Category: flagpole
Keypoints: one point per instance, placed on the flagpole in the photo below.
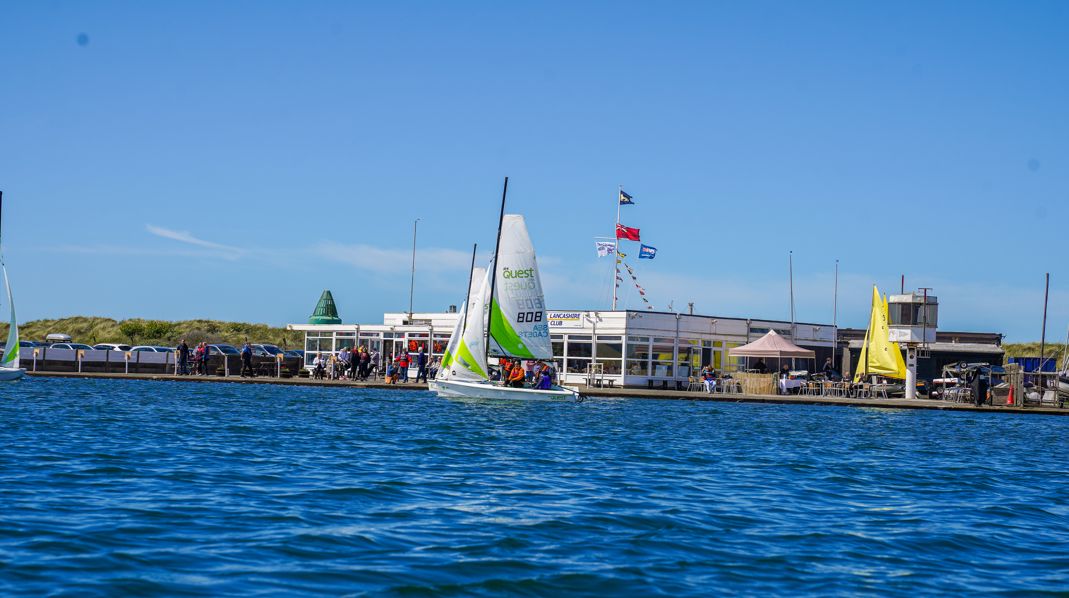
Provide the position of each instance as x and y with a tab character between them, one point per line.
616	249
790	265
835	315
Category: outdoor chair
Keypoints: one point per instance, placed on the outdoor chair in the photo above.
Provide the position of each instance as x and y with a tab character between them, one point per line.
694	384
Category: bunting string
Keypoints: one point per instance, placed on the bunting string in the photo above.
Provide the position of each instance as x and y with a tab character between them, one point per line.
638	287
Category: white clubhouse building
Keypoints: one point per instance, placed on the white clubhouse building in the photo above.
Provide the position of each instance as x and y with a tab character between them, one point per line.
624	347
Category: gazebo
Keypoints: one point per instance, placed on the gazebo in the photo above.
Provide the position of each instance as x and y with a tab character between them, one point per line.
769	346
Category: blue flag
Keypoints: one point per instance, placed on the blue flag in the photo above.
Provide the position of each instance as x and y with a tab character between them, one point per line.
647	253
625	199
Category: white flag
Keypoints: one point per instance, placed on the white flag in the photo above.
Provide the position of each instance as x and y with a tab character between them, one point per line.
605	248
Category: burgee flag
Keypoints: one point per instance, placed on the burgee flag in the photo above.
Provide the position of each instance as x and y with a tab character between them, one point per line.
626	232
625	199
647	253
605	248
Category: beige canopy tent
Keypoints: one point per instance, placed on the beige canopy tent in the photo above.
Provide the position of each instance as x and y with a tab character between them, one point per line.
771	345
768	346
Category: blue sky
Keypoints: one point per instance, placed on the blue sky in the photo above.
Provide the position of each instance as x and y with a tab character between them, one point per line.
232	160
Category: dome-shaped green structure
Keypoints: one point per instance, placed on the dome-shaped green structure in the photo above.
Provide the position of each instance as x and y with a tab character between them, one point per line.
326	312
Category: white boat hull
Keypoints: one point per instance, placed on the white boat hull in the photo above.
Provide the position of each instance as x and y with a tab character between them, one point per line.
455	389
7	374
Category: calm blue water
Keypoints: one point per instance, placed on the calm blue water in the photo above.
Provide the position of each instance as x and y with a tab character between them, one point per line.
116	487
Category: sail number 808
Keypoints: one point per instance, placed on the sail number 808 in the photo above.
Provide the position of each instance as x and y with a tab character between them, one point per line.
529	316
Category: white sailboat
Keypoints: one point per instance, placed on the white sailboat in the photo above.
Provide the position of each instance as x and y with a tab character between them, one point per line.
9	362
505	318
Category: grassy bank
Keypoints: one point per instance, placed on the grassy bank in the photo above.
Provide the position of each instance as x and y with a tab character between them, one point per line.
136	331
1054	351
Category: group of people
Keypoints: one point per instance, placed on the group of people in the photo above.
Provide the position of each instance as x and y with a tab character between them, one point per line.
199	357
828	370
357	363
532	374
398	365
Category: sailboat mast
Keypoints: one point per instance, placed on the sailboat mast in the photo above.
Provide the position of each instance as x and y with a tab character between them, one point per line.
493	275
467	296
1	216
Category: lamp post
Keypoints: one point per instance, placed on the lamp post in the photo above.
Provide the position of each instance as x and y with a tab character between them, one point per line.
412	283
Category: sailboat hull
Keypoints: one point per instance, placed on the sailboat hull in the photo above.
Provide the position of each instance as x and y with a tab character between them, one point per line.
455	389
7	374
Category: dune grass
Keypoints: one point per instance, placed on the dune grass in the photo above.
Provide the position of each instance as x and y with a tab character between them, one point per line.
136	331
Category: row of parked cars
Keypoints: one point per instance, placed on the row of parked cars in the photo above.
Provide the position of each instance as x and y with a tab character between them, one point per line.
57	341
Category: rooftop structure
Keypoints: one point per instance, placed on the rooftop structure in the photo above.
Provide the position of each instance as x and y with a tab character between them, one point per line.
325	312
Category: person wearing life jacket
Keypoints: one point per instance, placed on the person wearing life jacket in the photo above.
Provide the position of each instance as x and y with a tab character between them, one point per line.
517	375
506	370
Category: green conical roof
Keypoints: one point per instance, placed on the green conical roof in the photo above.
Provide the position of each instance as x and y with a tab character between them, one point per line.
326	312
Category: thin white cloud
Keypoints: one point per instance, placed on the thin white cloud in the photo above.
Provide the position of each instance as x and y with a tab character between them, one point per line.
188	238
384	260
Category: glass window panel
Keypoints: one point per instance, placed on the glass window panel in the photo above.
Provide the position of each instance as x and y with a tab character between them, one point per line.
579	349
638	339
663	370
664	341
609	350
346	342
663	352
579	337
638	367
639	352
576	366
609	339
611	366
558	348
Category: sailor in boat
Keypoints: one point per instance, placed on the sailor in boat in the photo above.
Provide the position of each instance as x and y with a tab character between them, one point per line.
545	380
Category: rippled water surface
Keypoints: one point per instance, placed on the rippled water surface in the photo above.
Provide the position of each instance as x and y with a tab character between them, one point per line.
124	487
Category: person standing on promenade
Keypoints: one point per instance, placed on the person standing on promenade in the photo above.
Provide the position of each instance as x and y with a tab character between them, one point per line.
344	357
354	363
246	360
202	358
365	363
421	364
183	358
374	363
403	361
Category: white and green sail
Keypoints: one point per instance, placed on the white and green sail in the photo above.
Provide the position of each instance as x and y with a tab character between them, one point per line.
469	363
518	328
456	344
11	349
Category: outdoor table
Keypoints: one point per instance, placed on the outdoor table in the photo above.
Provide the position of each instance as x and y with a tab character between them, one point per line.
785	384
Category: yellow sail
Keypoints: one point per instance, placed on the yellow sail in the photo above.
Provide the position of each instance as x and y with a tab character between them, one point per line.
880	356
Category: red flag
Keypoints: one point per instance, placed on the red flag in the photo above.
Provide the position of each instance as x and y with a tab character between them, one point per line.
626	232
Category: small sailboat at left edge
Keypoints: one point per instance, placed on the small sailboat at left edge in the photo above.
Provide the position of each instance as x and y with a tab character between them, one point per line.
9	363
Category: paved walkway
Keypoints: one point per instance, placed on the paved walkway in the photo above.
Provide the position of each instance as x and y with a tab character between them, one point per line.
630	393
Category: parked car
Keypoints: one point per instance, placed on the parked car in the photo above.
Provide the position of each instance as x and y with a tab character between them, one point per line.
57	337
223	350
111	347
22	344
265	350
152	349
298	353
75	346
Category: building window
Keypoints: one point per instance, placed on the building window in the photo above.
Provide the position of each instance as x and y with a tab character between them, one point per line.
638	356
579	349
690	357
344	340
610	354
441	341
663	356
